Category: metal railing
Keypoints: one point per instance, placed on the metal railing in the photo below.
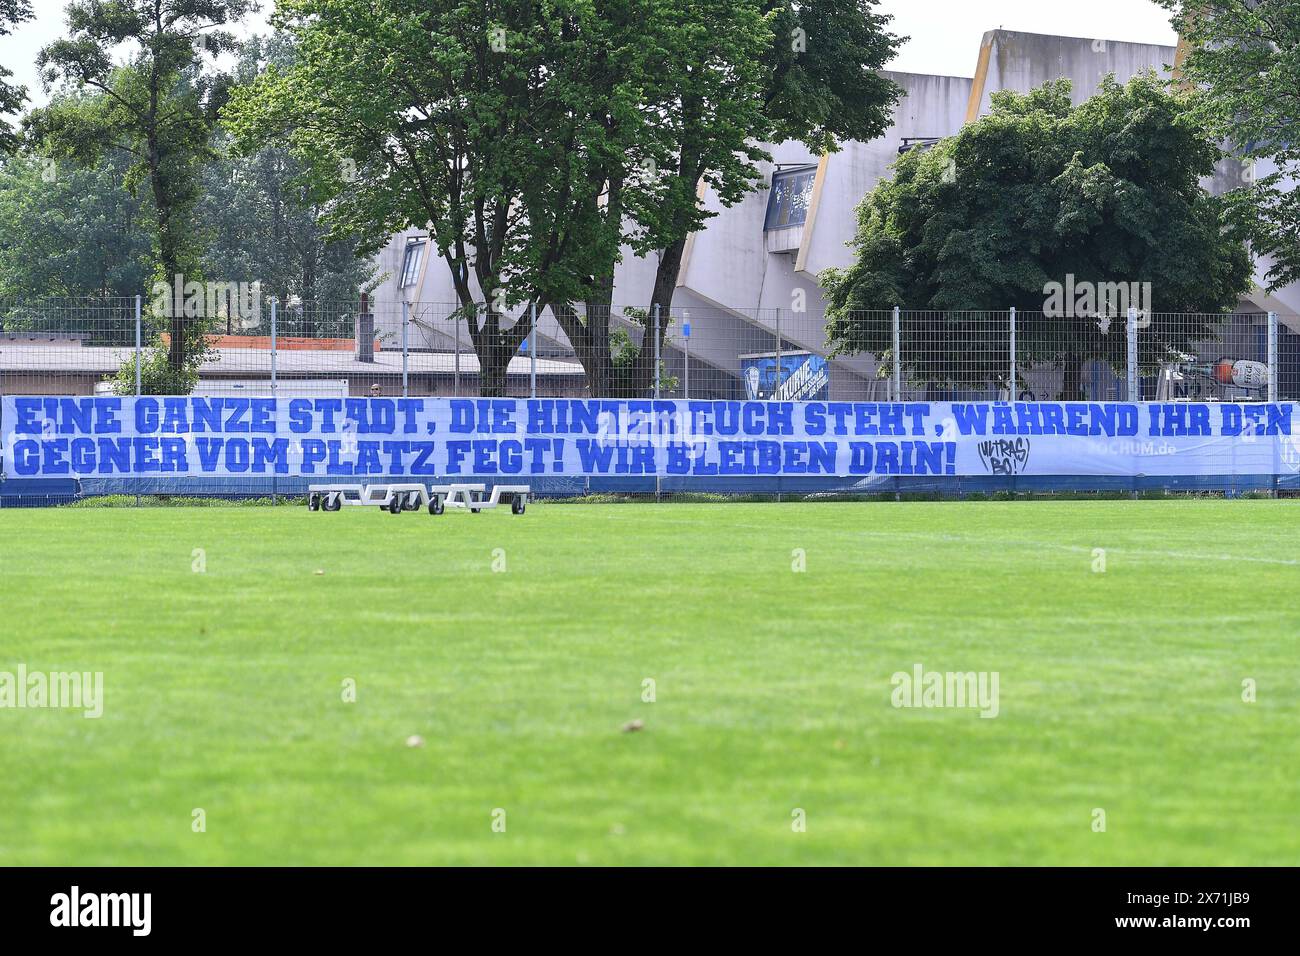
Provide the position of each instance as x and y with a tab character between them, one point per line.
84	346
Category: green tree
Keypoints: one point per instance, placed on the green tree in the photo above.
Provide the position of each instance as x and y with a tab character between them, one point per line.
259	222
70	230
823	82
415	113
1036	191
645	99
160	108
258	225
536	140
816	79
12	97
1243	74
575	189
711	82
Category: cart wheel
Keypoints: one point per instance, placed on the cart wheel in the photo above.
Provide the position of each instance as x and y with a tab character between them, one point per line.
412	502
332	503
395	506
436	507
313	502
475	510
517	506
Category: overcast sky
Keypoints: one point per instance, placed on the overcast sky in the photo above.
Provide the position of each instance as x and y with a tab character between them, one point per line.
944	34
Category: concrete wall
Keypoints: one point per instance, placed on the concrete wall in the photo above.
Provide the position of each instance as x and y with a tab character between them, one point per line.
931	106
1023	61
728	265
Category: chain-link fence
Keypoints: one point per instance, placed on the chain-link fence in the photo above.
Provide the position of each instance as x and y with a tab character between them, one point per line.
88	346
245	345
1138	356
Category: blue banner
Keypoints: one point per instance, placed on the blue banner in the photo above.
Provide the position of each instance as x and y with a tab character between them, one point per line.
46	436
796	377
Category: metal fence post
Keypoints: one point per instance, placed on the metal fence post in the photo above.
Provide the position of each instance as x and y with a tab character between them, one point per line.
656	335
1134	394
686	349
455	390
138	336
1272	356
532	353
1011	395
898	365
138	301
406	350
406	323
658	479
776	386
274	328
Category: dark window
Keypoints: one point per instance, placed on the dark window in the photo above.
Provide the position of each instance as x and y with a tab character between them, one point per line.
787	205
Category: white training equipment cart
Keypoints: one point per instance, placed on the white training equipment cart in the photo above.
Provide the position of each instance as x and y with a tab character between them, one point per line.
470	498
412	497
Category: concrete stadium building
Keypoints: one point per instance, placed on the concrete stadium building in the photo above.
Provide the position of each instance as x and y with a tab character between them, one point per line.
748	283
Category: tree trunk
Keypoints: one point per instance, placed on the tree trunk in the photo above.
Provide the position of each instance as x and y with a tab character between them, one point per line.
170	260
643	367
168	243
492	375
600	361
590	341
495	347
176	346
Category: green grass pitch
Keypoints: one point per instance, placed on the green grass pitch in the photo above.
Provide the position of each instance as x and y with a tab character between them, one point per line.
1120	690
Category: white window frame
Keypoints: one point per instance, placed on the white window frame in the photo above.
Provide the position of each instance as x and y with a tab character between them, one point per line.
412	260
